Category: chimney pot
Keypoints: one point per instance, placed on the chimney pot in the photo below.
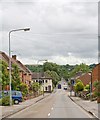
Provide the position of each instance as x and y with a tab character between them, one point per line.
14	57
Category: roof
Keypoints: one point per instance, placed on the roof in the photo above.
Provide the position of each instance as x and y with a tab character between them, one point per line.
40	75
97	66
78	74
85	78
5	57
23	66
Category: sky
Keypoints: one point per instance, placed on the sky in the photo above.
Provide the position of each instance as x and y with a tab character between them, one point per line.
61	31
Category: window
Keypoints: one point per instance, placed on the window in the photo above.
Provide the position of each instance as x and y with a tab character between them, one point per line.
14	93
6	93
43	81
46	81
36	80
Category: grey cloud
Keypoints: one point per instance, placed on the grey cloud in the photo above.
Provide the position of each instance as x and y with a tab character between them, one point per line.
57	28
51	16
56	45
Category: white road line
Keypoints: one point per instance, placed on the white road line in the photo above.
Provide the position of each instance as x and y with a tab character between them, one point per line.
49	114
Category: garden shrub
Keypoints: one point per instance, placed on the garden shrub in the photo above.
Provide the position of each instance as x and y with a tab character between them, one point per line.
5	101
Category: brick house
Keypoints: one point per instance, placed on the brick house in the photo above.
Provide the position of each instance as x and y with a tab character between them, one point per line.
45	80
25	73
85	78
95	74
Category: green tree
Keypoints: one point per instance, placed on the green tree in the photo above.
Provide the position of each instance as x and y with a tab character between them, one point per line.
87	88
79	87
4	74
24	89
96	84
15	78
35	68
63	72
35	86
50	66
55	77
82	67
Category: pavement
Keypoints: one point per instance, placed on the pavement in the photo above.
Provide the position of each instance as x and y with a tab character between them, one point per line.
91	107
6	111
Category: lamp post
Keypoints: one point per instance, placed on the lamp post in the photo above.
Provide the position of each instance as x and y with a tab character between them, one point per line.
37	75
90	73
25	29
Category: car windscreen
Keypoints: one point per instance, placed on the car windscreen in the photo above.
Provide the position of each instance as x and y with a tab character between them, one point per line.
16	93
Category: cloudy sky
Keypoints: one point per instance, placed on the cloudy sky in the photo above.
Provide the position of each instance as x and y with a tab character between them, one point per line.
61	31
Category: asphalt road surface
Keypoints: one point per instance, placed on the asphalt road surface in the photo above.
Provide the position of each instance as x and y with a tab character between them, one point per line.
57	105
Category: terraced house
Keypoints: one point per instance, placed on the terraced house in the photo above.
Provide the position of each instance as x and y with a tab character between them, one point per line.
25	73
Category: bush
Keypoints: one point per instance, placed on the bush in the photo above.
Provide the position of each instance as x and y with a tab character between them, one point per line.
24	89
87	87
5	101
78	80
85	95
97	88
88	95
96	93
85	90
35	86
96	84
79	87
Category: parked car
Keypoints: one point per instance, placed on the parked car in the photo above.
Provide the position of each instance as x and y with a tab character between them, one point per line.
65	88
16	95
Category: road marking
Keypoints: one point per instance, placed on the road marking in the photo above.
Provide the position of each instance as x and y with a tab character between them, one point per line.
49	114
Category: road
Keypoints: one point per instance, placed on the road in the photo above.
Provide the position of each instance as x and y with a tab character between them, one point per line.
57	105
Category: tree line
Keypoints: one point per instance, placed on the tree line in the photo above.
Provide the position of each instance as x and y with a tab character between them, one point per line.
60	71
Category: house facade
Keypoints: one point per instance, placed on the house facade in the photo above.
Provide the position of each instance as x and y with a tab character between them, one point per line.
25	73
45	80
95	74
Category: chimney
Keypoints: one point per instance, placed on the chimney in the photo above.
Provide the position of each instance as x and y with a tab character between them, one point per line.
14	57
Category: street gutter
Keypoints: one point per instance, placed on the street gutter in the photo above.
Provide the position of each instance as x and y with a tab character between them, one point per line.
84	108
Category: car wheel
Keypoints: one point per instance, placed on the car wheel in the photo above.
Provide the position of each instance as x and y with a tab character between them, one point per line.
16	102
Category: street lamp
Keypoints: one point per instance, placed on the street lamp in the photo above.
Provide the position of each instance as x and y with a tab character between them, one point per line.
25	29
90	73
37	75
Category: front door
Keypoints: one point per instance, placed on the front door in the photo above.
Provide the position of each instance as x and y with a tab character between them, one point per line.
49	88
